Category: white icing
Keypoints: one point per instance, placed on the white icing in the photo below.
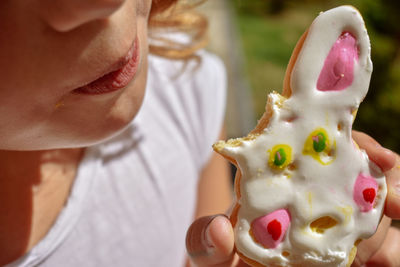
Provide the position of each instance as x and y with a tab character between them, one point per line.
310	190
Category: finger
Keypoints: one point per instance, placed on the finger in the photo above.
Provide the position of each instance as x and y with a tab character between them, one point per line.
368	247
209	241
389	162
381	156
392	208
388	254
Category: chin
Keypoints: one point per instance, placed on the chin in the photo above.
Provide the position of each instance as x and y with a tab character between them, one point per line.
68	130
94	133
94	126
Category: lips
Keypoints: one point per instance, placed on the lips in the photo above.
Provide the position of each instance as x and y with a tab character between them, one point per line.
121	74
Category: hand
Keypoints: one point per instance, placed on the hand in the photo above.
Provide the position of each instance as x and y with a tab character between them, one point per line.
382	249
210	240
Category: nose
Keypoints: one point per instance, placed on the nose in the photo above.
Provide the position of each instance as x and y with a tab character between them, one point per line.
65	15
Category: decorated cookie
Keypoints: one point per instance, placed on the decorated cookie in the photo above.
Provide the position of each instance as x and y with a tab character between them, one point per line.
305	193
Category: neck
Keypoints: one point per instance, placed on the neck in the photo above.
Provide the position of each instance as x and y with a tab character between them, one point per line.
34	186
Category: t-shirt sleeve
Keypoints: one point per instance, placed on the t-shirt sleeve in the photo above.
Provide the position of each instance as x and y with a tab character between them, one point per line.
210	87
189	97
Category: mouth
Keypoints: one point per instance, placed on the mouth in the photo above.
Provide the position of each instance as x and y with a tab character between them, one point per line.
119	76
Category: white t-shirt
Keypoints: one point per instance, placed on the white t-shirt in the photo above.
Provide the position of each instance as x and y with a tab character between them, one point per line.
134	195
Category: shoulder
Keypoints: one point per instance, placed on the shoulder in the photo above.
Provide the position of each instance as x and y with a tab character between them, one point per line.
191	95
200	80
204	67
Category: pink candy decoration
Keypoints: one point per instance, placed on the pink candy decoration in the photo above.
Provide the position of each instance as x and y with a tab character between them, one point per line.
269	230
364	192
338	71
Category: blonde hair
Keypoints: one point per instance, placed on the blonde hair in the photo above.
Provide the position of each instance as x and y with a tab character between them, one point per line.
176	16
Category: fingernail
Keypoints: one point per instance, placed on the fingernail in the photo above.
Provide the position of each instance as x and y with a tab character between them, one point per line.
397	189
207	238
208	242
387	151
388	154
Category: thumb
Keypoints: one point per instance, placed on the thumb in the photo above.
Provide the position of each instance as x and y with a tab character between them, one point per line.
209	241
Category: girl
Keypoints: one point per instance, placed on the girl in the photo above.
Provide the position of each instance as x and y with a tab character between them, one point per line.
82	184
92	172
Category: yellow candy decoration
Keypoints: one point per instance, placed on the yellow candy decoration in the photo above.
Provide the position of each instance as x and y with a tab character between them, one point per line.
280	156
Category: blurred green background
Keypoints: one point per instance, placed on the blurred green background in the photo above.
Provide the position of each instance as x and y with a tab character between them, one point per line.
269	30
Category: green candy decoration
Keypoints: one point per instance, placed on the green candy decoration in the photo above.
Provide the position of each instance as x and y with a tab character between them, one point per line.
318	146
319	142
280	157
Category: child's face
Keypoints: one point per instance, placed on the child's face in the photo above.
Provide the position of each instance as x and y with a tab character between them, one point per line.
48	49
